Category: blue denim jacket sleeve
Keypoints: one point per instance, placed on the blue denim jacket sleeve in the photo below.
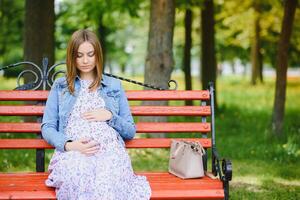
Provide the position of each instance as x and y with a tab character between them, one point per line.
50	123
122	122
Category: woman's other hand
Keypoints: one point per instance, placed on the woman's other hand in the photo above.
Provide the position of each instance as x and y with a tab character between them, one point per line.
100	114
84	146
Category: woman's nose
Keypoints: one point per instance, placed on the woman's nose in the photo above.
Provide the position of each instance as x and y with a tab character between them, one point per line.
85	59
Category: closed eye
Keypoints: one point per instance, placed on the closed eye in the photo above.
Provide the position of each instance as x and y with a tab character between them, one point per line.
79	55
91	54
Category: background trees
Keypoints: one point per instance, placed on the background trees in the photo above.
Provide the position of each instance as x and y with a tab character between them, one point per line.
239	44
138	39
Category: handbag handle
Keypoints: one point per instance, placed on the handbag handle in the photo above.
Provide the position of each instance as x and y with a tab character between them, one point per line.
196	147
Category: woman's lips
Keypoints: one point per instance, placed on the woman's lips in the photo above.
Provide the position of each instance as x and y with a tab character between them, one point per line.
85	66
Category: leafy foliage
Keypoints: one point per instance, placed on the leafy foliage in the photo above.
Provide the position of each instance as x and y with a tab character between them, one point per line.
11	29
234	29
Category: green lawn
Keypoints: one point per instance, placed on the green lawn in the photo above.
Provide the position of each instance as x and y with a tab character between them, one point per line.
264	167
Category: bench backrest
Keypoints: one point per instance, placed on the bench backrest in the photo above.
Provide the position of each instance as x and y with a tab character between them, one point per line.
202	124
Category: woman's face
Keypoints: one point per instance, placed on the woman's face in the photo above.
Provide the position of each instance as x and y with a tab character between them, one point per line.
85	60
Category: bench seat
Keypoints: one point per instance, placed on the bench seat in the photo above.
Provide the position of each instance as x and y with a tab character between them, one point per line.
30	185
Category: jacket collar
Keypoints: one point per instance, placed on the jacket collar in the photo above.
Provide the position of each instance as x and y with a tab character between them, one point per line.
104	80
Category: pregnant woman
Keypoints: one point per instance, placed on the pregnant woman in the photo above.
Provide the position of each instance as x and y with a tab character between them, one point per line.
87	118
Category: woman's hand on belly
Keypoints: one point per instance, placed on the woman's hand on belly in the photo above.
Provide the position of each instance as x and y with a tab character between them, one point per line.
84	146
100	114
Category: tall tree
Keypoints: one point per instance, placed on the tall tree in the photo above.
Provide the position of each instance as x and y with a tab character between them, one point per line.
208	58
39	32
282	64
187	51
159	60
256	56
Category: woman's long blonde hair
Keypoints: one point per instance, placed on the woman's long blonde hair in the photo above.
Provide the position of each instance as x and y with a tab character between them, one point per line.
76	40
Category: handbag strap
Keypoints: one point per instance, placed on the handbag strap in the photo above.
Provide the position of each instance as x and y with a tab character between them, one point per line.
196	147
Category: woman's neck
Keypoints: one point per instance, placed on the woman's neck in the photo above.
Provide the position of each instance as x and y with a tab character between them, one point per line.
89	77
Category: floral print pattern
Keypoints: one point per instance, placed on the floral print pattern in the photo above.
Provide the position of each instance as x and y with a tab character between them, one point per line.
108	174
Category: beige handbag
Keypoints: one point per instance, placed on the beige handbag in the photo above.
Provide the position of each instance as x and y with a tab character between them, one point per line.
186	159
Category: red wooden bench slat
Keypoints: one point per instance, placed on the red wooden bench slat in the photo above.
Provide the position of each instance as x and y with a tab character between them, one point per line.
170	110
215	194
20	127
8	95
142	127
163	185
168	95
162	142
169	127
39	184
33	185
37	110
20	178
19	95
21	110
28	195
135	143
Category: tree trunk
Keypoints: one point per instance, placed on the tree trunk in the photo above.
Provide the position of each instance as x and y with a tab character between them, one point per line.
281	66
159	60
187	52
39	34
123	68
232	64
256	56
208	58
261	67
3	30
102	33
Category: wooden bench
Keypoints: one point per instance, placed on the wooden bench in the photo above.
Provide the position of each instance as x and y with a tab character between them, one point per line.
30	185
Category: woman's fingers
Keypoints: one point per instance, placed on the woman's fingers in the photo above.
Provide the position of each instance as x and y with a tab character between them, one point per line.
91	144
95	115
92	150
84	140
90	117
87	115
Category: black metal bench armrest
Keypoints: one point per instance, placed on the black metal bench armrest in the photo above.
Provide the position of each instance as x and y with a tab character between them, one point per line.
224	173
227	169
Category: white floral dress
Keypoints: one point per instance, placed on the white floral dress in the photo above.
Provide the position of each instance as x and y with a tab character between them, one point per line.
106	175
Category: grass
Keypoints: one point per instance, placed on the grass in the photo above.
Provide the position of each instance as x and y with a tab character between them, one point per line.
264	167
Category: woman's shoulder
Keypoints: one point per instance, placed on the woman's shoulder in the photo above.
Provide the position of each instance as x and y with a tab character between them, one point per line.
111	82
62	81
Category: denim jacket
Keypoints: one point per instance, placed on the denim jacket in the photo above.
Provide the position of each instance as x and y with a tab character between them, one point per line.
60	103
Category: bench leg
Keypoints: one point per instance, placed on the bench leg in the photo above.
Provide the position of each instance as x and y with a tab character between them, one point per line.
40	160
204	158
40	153
226	189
